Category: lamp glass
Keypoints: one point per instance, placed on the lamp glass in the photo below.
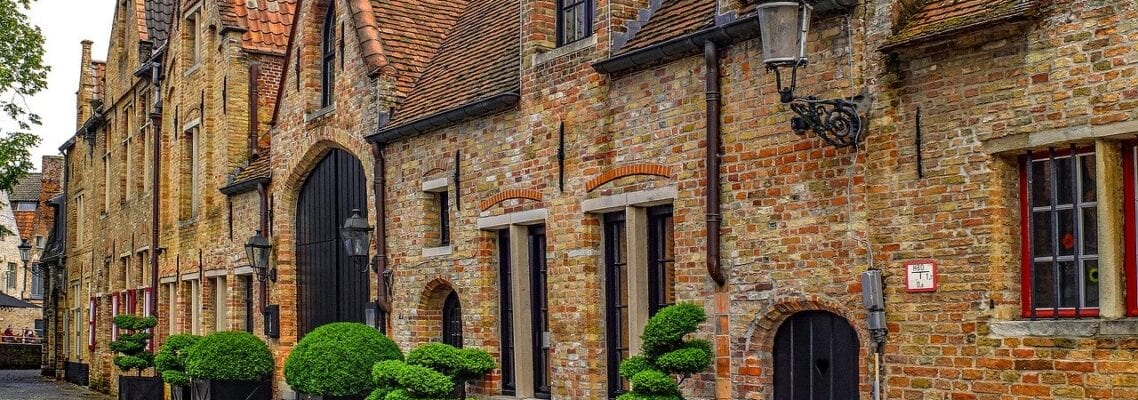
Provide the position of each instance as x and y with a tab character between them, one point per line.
356	235
784	26
257	249
25	251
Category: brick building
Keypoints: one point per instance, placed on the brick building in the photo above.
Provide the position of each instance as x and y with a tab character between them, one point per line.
164	123
538	176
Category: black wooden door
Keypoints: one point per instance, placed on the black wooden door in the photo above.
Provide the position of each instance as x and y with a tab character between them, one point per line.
329	287
539	285
452	321
815	358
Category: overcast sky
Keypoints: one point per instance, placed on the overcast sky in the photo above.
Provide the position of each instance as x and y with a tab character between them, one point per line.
65	23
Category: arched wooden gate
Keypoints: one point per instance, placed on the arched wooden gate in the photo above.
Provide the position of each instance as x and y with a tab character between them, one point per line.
330	287
816	358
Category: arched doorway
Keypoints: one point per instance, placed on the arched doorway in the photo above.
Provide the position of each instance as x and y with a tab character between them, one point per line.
815	358
452	320
329	287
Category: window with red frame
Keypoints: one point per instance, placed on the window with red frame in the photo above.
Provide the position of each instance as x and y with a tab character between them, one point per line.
1059	228
1130	204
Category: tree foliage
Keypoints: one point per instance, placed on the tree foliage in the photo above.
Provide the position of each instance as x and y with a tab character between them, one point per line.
666	354
22	75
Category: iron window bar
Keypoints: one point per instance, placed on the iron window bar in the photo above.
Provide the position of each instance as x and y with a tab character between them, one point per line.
616	276
1078	257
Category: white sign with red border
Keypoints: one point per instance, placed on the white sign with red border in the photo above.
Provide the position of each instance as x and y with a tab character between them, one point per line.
920	276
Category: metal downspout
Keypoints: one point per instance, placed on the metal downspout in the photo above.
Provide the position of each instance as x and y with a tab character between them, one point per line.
711	60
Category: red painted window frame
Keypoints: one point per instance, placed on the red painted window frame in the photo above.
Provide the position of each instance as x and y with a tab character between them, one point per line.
116	309
92	313
1130	233
1025	237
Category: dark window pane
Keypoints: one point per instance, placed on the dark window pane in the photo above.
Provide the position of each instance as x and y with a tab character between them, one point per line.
1040	183
1066	232
1041	245
1068	285
1090	282
1089	233
1064	188
1044	292
1088	178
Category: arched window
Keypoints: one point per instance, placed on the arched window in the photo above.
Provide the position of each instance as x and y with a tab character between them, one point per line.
328	56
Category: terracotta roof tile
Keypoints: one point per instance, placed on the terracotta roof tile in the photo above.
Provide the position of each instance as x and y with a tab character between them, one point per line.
925	20
266	23
405	34
478	59
239	181
673	18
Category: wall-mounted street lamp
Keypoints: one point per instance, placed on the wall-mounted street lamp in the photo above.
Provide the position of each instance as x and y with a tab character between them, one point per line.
356	235
258	249
26	255
784	26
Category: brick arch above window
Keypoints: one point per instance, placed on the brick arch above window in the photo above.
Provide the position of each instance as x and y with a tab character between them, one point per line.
626	171
527	194
787	302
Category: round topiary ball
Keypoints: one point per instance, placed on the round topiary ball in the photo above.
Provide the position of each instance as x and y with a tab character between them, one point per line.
171	359
336	359
229	356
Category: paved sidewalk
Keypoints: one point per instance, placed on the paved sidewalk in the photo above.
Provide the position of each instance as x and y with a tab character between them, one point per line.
29	385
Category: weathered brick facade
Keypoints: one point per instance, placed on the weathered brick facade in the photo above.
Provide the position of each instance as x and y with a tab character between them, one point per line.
800	219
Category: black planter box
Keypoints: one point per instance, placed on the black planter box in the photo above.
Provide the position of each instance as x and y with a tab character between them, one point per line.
179	392
141	388
205	389
302	396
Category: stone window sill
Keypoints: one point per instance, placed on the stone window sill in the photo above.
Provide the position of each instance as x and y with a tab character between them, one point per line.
319	114
1065	328
553	54
436	251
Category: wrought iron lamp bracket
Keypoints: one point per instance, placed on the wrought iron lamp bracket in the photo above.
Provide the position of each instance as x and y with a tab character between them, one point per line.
836	121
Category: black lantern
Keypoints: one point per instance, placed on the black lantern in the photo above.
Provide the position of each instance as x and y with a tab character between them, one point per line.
784	26
356	235
25	251
257	249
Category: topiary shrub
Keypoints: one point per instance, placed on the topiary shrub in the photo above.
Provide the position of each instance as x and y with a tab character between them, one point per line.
171	359
336	359
666	354
131	346
431	372
229	356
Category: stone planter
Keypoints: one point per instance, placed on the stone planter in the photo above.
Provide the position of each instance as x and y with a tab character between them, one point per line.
179	392
206	389
140	388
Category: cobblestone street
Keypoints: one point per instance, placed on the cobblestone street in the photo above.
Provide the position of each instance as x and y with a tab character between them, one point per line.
29	385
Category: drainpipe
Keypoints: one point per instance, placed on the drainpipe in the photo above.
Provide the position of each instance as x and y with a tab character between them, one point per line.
254	112
378	170
156	178
263	225
711	61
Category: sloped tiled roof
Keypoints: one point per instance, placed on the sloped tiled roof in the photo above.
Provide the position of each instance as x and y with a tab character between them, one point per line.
27	188
245	178
158	15
672	19
266	23
929	19
404	34
478	59
7	301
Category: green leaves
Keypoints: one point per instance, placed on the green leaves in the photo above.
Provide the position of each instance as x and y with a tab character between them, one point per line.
22	69
431	372
229	356
336	359
667	353
131	344
171	359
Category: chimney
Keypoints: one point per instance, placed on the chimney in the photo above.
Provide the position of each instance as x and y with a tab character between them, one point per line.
86	92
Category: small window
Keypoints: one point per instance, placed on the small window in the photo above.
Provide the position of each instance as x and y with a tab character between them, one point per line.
444	218
190	175
220	305
11	278
193	39
574	20
328	58
1059	225
39	241
26	206
246	284
661	259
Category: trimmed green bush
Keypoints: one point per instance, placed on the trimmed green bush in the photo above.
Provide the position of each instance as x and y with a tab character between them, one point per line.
131	346
666	353
336	359
171	359
229	356
431	372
